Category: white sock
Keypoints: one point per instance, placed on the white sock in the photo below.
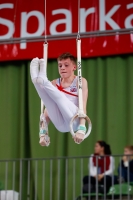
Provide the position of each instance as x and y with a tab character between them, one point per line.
34	69
42	77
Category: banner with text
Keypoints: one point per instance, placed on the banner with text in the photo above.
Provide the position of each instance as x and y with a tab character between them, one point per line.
21	18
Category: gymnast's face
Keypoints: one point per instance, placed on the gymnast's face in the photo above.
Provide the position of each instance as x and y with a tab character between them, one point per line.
66	68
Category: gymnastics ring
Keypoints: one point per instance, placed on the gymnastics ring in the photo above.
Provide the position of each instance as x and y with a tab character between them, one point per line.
89	125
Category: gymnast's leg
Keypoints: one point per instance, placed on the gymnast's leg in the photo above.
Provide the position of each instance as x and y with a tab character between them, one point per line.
60	109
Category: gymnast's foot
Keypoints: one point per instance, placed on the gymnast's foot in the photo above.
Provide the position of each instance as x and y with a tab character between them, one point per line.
34	69
42	73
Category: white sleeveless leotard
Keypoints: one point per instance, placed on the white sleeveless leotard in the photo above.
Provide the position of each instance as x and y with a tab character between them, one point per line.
71	92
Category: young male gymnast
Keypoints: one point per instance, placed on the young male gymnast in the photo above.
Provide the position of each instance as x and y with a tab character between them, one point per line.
60	97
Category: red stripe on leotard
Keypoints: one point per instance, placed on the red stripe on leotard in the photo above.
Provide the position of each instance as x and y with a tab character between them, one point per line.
62	90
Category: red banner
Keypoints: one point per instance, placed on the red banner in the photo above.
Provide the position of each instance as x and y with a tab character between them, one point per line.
22	19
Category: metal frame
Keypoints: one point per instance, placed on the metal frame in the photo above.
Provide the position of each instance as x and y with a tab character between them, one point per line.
68	36
26	170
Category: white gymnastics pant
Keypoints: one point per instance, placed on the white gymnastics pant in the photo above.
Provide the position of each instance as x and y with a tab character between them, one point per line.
60	109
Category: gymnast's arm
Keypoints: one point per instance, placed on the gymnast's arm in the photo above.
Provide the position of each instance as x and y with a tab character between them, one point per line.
85	93
85	97
46	116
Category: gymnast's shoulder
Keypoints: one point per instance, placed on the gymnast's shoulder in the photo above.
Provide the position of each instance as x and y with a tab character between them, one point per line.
54	82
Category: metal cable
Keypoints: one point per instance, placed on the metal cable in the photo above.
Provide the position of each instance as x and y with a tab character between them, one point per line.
78	35
45	24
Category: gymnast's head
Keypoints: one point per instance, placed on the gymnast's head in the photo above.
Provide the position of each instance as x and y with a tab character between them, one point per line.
66	64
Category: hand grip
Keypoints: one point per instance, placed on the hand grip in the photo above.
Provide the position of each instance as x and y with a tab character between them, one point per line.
89	125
